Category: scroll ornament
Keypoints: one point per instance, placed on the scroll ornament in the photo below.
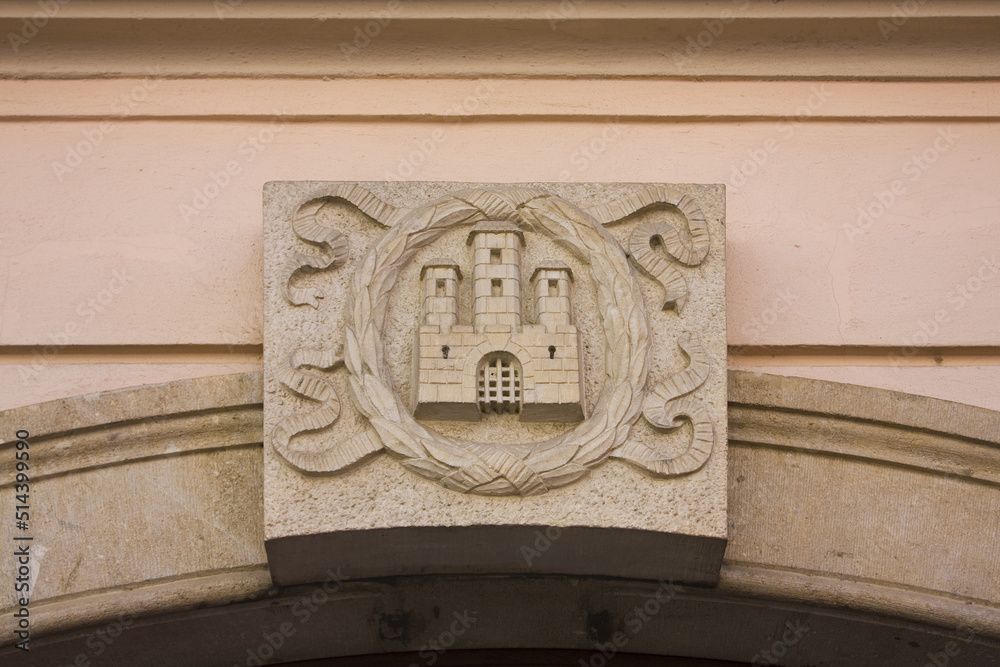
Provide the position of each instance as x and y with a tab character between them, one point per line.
489	468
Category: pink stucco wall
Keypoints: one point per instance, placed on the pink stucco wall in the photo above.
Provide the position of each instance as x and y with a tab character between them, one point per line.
146	248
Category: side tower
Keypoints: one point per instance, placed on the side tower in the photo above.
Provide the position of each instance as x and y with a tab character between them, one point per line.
440	303
555	345
441	347
551	280
496	276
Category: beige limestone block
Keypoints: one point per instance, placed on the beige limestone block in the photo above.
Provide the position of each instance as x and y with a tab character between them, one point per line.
38	381
353	476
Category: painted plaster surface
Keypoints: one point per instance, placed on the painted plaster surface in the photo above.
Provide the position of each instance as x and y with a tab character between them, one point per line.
598	40
808	273
195	277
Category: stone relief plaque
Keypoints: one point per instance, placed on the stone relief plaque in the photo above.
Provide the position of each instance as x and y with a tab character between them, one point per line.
493	340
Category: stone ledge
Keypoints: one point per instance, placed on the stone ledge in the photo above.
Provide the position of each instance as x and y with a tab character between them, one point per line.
131	404
599	39
848	401
748	580
198	590
865	602
94	430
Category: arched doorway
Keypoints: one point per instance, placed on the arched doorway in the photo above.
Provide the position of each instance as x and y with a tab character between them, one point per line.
499	384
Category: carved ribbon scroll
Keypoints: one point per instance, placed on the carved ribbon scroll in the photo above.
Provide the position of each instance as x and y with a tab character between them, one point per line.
653	244
333	244
334	253
666	405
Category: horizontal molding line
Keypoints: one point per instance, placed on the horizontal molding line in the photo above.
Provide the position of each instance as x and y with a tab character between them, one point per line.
456	100
189	590
500	117
137	458
862	355
927	467
475	75
553	42
457	10
880	597
250	569
790	355
130	354
749	567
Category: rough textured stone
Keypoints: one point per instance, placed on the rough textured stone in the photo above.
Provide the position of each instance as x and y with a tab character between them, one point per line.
839	557
138	497
650	357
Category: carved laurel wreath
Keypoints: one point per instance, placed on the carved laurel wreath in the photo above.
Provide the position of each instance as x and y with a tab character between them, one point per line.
503	469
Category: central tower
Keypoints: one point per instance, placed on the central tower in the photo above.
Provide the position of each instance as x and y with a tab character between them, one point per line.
496	276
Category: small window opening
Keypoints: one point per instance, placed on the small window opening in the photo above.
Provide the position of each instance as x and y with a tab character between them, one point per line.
552	351
439	288
444	352
496	287
494	255
553	288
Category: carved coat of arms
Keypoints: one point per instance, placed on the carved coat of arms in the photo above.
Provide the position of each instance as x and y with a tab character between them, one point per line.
495	334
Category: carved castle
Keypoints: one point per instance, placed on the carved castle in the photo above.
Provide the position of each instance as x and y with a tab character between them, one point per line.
497	364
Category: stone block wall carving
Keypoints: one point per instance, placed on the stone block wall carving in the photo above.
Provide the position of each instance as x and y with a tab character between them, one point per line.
496	360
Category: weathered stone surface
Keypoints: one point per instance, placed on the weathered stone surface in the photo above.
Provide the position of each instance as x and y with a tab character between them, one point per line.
138	497
890	550
392	621
599	305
